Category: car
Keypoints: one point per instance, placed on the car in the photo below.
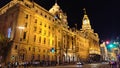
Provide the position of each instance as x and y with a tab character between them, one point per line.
105	62
112	63
79	63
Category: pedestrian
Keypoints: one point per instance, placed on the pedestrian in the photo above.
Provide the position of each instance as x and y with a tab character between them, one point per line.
110	63
115	64
0	66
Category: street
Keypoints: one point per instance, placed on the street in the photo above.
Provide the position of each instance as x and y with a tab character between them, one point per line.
93	65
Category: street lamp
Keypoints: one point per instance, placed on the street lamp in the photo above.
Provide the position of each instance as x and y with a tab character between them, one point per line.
21	28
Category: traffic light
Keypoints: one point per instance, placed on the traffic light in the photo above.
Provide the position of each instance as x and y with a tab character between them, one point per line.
107	42
52	50
111	45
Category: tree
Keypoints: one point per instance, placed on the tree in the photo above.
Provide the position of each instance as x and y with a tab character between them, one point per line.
4	46
3	41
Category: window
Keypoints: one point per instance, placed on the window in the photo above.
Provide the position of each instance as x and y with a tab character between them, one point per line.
24	35
40	23
26	16
45	25
48	41
53	42
64	45
38	56
23	56
48	51
72	45
33	49
35	20
56	17
72	42
44	40
59	44
45	16
43	50
53	20
9	32
43	57
40	31
39	50
49	18
44	32
59	31
27	5
52	57
26	24
34	38
53	35
48	33
48	56
41	14
29	48
35	28
36	11
39	39
32	56
15	46
49	27
53	28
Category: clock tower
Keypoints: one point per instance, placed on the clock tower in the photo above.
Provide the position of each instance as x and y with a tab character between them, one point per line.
88	32
85	22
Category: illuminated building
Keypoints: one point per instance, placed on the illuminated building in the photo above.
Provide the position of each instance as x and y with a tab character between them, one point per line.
94	48
39	34
110	51
104	52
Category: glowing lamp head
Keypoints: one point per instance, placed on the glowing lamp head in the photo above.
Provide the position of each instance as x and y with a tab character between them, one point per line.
107	42
111	45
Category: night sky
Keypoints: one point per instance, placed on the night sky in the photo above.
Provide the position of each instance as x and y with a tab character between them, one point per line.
104	15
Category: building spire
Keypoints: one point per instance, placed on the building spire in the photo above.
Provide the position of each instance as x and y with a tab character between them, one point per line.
32	0
55	1
86	22
84	11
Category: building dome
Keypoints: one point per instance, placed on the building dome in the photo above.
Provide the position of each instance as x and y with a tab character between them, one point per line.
55	9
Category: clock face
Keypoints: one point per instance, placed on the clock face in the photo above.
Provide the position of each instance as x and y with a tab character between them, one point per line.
85	21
